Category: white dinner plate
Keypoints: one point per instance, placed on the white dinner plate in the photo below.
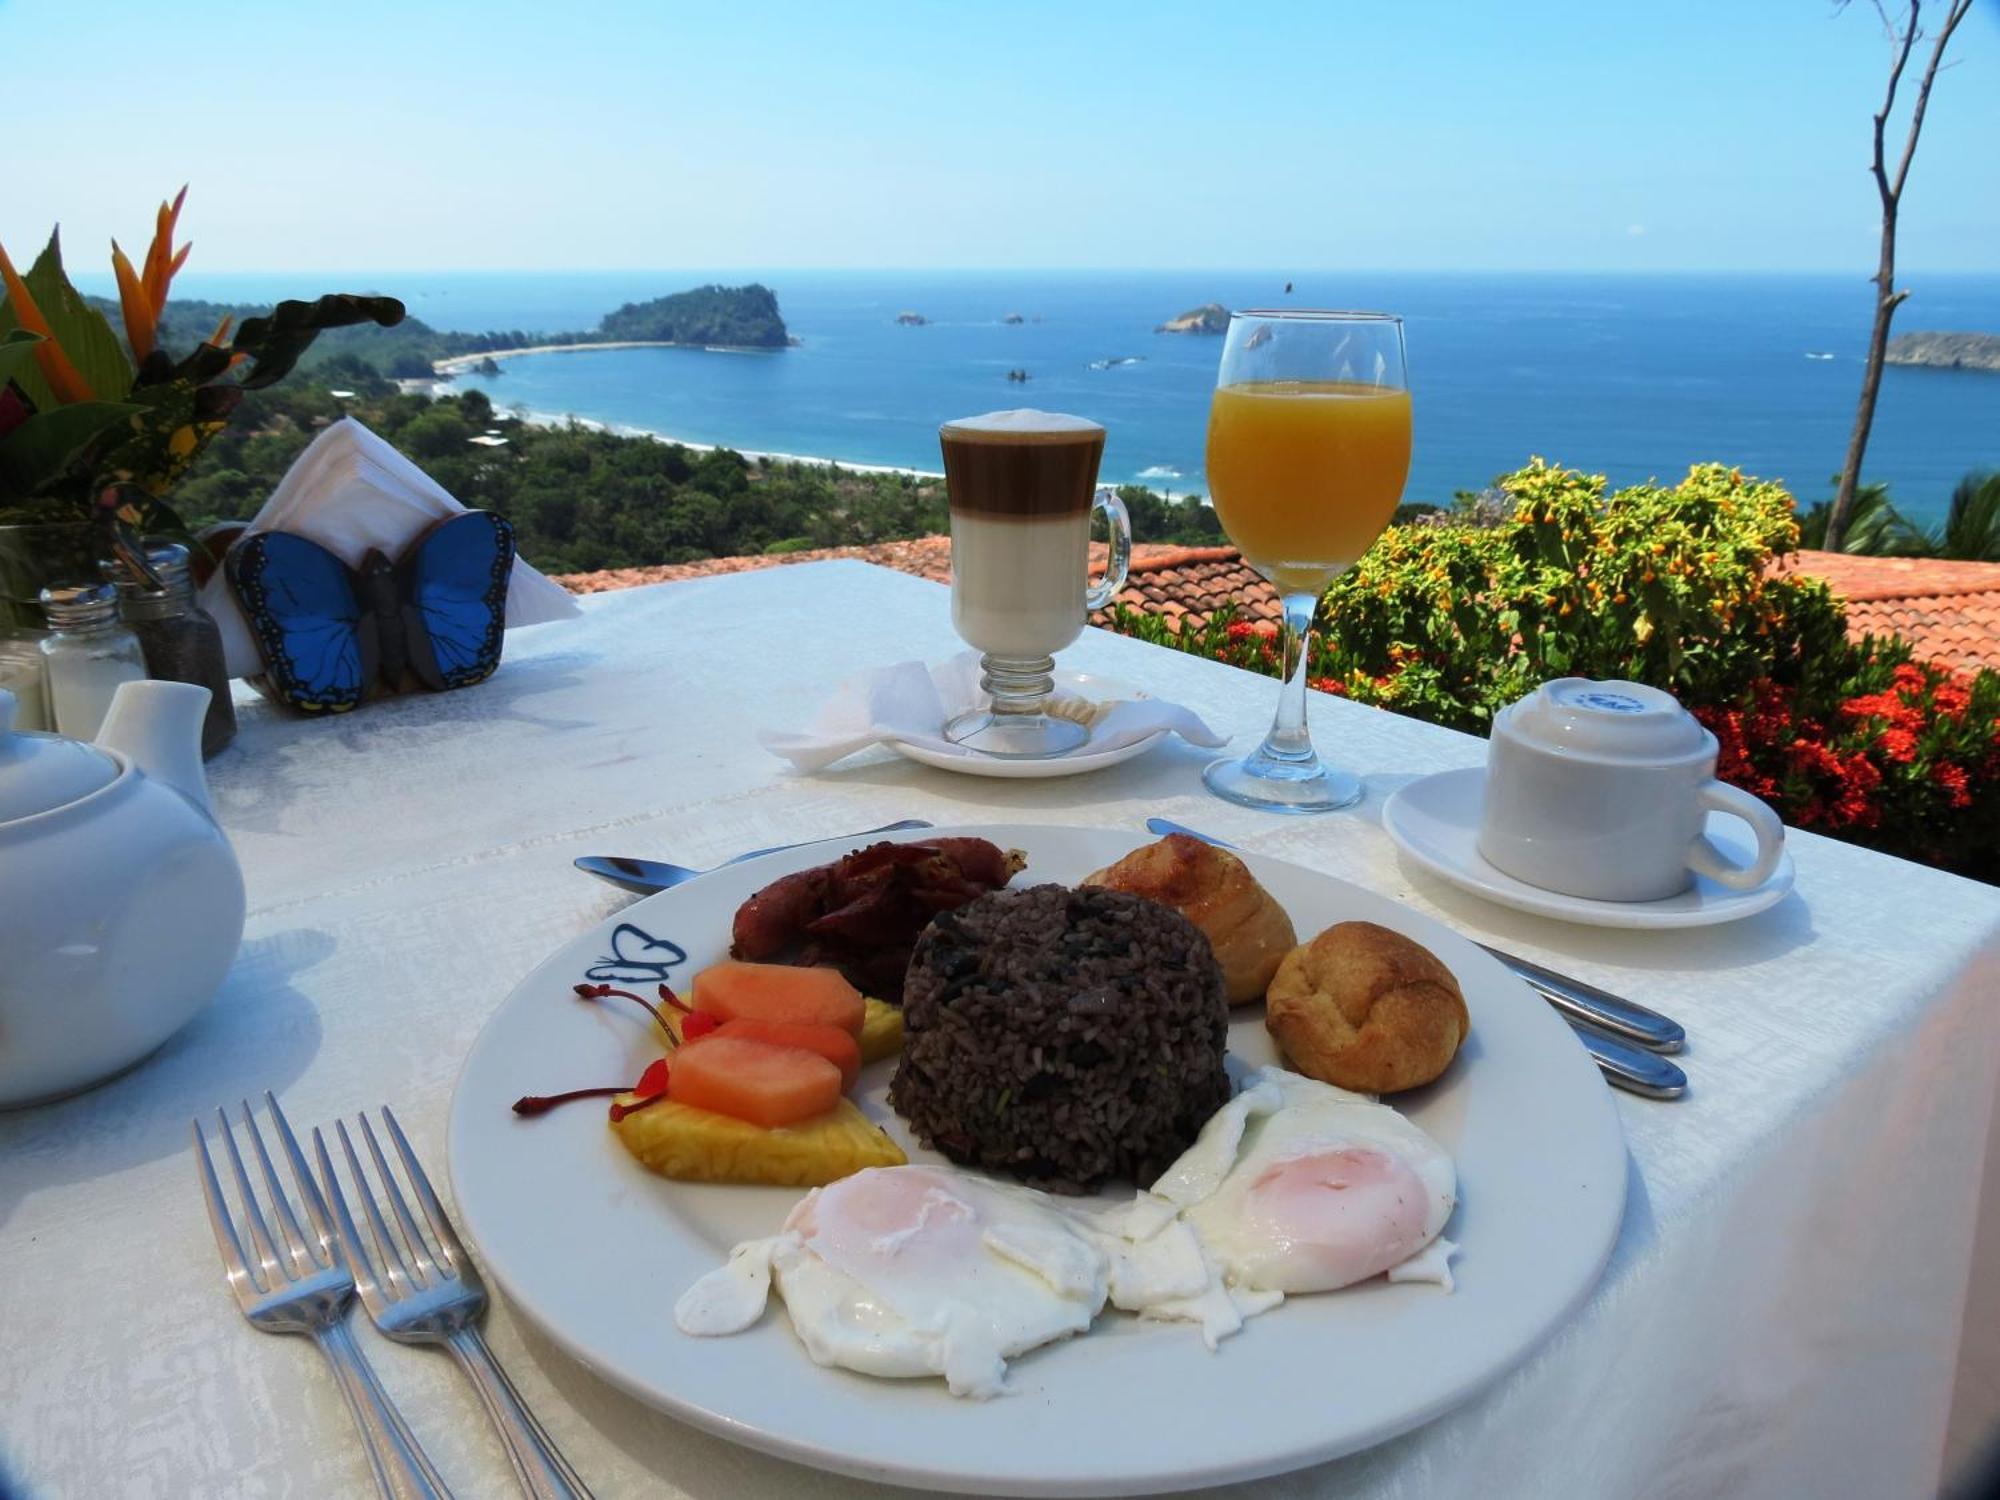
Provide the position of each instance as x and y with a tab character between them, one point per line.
1087	684
594	1249
1435	821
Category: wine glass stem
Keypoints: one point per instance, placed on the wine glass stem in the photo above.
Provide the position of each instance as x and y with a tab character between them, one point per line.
1290	739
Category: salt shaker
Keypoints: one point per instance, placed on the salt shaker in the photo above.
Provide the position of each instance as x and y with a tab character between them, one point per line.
179	637
87	655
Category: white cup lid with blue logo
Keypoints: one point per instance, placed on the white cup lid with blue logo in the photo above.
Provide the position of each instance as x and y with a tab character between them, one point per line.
1623	721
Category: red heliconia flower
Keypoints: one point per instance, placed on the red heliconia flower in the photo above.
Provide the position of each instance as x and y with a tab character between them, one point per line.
15	408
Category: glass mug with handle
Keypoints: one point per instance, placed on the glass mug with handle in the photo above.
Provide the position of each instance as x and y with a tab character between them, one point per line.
1308	448
1022	486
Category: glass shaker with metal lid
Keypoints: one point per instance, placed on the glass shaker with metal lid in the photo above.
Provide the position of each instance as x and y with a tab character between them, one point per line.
179	637
87	654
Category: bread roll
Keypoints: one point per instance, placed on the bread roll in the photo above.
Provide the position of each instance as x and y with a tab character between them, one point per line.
1213	889
1364	1008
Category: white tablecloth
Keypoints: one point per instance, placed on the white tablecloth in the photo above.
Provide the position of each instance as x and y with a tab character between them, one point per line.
1780	1317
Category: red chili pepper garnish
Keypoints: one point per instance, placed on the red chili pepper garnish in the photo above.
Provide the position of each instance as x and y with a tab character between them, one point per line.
604	991
652	1086
697	1023
541	1104
623	1111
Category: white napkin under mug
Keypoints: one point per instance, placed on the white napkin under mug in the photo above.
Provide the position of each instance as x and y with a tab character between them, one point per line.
912	703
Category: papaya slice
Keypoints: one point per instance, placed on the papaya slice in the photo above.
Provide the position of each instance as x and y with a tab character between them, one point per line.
733	990
754	1081
835	1045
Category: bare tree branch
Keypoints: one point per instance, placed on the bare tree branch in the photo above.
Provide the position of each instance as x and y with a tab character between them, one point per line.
1953	15
1903	41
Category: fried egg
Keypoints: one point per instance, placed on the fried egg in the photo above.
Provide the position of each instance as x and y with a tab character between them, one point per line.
1293	1186
914	1271
1297	1186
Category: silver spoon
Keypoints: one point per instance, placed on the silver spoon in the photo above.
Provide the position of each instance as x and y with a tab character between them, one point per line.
642	877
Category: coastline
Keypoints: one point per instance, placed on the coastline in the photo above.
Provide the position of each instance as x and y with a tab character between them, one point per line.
453	364
624	429
535	418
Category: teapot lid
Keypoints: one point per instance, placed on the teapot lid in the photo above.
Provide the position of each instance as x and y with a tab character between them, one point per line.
1621	721
41	772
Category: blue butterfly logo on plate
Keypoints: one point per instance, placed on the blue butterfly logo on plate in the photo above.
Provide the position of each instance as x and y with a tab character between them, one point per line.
332	635
627	962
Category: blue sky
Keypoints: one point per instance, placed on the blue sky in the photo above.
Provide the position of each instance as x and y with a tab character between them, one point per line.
1541	134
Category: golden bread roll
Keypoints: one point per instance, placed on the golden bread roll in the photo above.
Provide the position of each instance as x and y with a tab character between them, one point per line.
1364	1008
1212	888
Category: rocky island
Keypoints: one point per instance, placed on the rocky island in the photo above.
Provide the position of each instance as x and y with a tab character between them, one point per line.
1946	351
1210	317
911	319
731	317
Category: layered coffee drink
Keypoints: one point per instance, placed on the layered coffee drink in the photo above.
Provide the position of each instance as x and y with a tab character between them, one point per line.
1022	487
1020	484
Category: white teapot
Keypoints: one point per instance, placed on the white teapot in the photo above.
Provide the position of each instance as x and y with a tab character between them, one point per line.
121	904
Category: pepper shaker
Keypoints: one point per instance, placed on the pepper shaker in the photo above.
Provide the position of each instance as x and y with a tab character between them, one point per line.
180	639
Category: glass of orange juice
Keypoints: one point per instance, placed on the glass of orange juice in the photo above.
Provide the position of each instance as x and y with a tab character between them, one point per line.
1308	448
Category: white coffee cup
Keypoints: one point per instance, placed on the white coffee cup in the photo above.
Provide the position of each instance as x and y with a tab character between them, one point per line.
1601	790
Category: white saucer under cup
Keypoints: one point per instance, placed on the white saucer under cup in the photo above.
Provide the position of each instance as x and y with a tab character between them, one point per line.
1435	823
1085	758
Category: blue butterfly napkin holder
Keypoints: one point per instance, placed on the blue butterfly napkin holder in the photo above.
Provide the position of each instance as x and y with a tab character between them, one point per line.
332	637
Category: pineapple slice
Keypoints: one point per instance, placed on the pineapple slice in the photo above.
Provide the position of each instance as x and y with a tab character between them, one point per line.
881	1030
697	1145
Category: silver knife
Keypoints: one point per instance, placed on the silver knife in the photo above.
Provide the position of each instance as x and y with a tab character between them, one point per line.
1612	1029
1625	1019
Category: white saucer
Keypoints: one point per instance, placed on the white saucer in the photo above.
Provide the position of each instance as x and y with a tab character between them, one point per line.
1086	684
1435	822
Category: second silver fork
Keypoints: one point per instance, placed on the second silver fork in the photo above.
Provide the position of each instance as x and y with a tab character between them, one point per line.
434	1295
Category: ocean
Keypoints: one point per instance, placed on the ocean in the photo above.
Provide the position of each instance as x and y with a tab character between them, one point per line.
1631	376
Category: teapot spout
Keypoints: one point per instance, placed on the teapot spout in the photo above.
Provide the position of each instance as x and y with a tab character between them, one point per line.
158	724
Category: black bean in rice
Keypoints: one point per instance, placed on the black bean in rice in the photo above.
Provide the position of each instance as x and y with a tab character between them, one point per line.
1065	1036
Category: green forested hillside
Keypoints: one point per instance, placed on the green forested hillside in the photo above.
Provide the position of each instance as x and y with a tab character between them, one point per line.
583	499
742	316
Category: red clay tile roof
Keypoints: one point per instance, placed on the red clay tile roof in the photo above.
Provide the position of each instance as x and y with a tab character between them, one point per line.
1189	584
926	557
1949	611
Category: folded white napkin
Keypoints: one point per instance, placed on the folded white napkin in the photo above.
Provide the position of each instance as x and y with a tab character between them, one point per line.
350	491
911	702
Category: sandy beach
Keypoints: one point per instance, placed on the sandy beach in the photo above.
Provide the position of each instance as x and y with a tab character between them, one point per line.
620	429
452	364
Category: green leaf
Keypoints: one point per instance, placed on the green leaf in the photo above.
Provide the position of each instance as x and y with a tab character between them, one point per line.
277	341
29	376
81	329
17	353
37	450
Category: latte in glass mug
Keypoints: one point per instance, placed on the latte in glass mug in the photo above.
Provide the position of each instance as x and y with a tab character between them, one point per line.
1020	484
1022	487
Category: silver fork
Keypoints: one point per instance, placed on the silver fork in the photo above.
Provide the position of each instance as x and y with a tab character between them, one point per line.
305	1287
435	1296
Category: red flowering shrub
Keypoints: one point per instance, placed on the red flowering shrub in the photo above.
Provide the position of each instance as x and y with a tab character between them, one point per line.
1672	587
1906	759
